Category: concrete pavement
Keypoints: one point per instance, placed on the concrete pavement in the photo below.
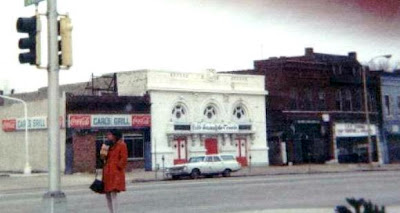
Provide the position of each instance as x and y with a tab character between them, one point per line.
311	193
17	182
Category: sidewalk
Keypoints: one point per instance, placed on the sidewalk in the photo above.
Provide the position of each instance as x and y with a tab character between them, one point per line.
10	183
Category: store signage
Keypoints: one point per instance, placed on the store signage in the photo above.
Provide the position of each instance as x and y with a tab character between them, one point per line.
210	127
104	120
18	124
141	120
354	130
79	121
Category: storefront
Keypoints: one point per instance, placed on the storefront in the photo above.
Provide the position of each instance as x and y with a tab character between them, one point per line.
351	143
88	133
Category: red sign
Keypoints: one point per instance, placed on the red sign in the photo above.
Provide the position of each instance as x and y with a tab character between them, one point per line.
9	125
79	121
141	120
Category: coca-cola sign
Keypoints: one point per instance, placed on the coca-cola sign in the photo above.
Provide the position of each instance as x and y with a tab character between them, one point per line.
141	120
79	121
9	125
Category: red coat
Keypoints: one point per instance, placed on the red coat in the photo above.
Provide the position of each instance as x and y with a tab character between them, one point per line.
114	169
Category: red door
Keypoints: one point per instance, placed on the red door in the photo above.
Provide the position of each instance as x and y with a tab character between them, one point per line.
211	146
241	153
180	150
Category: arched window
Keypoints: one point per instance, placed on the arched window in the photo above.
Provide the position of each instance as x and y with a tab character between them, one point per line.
179	113
210	112
239	113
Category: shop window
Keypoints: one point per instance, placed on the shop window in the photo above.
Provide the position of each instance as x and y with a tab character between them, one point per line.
179	113
338	99
210	112
135	145
387	105
239	113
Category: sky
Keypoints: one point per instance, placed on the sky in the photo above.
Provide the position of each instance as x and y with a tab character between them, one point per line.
195	35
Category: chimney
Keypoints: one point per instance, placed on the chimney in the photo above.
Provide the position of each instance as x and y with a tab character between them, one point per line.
309	51
353	55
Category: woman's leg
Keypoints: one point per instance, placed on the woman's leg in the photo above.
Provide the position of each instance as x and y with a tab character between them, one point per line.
109	202
114	201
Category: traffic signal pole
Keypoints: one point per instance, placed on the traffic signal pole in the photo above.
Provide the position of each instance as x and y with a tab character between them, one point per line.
55	200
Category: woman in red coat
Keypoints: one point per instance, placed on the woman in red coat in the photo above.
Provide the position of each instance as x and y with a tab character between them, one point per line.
114	169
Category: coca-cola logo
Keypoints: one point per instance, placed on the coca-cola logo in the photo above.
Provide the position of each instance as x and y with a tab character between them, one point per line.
79	121
141	120
9	125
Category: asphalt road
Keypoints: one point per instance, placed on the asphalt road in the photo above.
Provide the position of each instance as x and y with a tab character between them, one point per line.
245	194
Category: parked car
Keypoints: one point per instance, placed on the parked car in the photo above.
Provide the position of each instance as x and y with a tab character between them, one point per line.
205	165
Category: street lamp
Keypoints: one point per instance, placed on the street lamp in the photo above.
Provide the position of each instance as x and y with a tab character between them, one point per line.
28	168
366	106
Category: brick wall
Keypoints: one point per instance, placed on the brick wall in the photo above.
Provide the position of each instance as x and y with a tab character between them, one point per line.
84	153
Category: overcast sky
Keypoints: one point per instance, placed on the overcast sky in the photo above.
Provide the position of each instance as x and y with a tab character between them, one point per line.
193	35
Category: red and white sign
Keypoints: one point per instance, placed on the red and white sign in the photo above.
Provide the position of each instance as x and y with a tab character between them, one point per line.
9	125
141	120
85	121
79	121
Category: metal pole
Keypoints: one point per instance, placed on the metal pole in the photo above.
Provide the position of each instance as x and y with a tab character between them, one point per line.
54	199
53	98
367	115
28	168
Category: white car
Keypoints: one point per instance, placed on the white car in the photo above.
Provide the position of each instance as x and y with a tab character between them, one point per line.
205	165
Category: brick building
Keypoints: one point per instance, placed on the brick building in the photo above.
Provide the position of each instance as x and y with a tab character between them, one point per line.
315	110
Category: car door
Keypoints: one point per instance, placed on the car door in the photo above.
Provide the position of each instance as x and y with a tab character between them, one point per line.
207	166
218	165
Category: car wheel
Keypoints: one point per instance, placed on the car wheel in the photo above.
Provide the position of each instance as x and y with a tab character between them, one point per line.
195	174
226	173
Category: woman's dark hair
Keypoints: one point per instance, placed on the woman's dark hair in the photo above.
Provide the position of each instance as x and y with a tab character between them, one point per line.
117	134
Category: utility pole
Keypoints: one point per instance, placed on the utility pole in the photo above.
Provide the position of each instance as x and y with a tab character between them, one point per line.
367	115
55	199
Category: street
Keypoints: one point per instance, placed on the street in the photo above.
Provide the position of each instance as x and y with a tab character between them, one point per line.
239	194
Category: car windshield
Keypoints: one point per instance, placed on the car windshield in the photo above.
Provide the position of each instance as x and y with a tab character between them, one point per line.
227	157
196	159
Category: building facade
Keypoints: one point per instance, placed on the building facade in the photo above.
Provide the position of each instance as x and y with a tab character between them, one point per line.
390	114
202	113
315	109
165	118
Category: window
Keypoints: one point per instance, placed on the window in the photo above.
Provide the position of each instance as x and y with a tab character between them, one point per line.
398	104
357	102
239	113
372	102
347	102
209	159
179	113
216	159
135	145
338	100
308	99
196	159
227	157
321	100
387	105
293	104
210	112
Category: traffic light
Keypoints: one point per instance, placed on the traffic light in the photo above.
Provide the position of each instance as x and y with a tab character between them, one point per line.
65	42
32	26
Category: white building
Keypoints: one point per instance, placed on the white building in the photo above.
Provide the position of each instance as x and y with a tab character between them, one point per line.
202	113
